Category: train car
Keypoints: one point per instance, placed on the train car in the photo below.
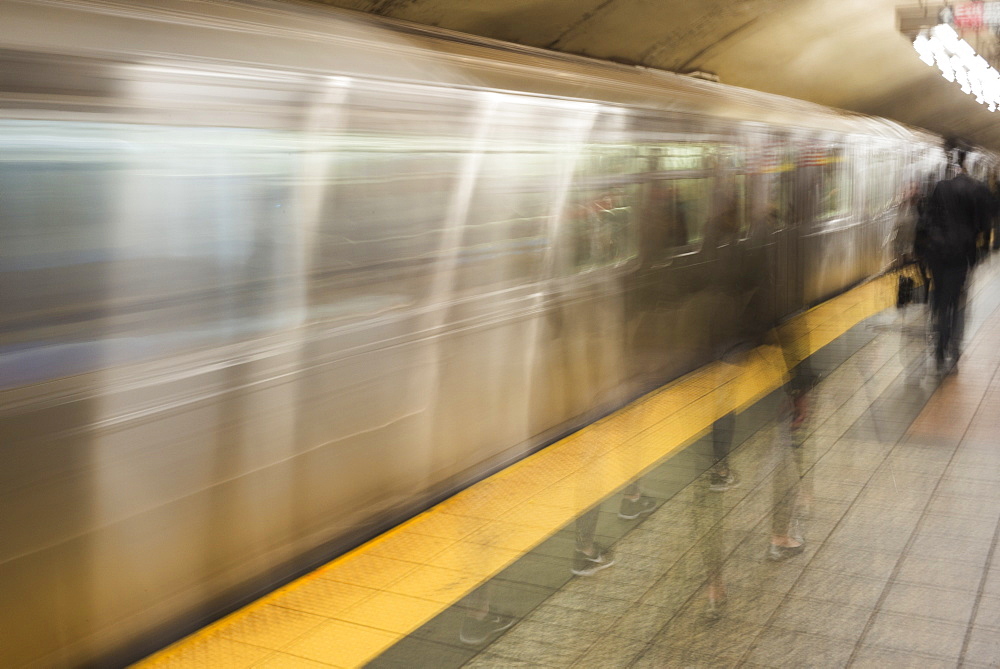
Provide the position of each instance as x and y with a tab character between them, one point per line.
275	277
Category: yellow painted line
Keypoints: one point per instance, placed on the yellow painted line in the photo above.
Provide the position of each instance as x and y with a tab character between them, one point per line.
349	611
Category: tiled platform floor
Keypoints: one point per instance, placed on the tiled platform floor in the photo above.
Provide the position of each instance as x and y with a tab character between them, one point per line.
898	508
894	488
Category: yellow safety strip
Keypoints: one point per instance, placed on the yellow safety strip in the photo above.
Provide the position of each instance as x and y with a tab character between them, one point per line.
349	611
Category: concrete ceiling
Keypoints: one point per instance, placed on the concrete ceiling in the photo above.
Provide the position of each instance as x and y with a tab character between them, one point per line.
841	53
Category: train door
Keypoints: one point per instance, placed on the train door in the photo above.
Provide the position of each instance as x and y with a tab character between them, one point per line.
828	220
670	287
773	231
594	250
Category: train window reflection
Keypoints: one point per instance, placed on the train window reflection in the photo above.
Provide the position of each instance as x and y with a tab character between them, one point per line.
137	241
682	156
883	175
834	187
677	211
504	232
379	227
779	194
601	226
732	222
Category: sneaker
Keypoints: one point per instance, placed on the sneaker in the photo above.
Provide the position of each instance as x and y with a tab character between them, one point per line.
723	482
631	509
779	553
476	631
585	565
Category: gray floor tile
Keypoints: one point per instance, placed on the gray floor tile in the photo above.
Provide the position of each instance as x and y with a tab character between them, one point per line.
964	507
611	653
953	606
782	648
992	585
587	602
961	549
758	573
836	491
877	537
908	500
975	489
720	641
823	618
670	593
418	653
916	635
873	657
665	549
829	471
984	647
988	613
857	591
854	561
642	622
945	574
551	646
952	526
491	661
608	588
977	471
593	620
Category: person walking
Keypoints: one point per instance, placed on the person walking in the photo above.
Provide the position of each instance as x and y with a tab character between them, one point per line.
960	210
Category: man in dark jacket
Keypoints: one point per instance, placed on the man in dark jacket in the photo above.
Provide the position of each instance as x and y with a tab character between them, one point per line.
960	210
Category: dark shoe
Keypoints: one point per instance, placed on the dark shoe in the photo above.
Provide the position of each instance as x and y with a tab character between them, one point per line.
477	631
631	509
723	482
779	553
585	565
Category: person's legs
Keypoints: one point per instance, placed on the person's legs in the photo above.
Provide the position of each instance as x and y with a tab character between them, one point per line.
949	282
958	318
942	303
590	556
634	503
722	478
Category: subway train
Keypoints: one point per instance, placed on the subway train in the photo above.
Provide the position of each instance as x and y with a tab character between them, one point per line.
275	277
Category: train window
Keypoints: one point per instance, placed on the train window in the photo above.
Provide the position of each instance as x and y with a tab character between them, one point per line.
504	235
137	241
732	217
599	224
677	212
682	156
878	182
779	197
773	186
383	189
367	254
834	188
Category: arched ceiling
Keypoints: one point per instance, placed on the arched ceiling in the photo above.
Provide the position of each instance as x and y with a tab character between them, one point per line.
841	53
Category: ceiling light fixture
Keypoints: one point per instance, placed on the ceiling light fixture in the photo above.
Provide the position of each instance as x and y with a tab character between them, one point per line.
960	63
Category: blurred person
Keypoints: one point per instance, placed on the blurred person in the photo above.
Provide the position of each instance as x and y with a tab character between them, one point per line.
958	216
995	210
790	496
482	622
709	514
721	477
590	557
903	244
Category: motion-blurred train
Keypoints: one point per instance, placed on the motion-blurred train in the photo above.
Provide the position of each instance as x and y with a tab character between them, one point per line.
273	277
